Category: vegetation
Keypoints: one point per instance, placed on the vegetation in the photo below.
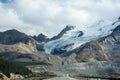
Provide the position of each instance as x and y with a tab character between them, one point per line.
32	63
42	76
7	67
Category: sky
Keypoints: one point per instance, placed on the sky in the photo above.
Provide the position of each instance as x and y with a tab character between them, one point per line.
51	16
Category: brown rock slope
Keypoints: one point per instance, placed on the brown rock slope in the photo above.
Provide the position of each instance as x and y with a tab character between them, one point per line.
17	46
104	49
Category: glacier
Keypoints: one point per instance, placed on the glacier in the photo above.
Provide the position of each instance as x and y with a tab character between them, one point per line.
93	32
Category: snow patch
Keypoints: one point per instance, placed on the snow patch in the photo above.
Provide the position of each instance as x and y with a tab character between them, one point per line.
101	29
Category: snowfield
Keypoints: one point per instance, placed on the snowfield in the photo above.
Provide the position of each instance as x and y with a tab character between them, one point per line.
71	37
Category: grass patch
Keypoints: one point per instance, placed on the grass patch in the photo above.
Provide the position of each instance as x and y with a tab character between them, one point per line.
31	63
41	76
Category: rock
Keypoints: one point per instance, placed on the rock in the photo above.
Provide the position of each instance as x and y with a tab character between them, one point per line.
15	76
41	38
104	49
67	28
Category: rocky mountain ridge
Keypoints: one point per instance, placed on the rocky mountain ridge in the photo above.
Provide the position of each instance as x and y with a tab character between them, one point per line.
17	46
70	45
104	49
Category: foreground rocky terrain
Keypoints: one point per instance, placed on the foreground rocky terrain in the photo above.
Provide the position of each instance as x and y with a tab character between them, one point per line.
85	70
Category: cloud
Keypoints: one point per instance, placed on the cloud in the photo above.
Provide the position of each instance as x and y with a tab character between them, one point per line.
51	16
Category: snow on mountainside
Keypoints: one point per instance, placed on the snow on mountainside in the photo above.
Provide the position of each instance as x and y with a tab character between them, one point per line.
74	37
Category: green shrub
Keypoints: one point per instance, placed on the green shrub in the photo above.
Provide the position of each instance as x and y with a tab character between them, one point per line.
7	67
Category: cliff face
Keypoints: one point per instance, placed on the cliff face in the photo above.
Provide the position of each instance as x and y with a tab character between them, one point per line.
67	28
104	49
15	41
13	36
112	42
41	38
17	46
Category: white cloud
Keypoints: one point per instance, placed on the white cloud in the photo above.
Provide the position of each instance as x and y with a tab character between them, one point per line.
50	16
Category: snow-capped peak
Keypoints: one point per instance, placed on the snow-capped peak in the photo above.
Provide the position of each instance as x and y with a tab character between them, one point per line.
78	37
64	31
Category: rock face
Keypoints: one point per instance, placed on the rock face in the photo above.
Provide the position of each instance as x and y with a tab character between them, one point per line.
41	38
3	77
65	41
92	51
13	36
67	28
112	42
101	43
104	49
39	57
15	76
71	38
17	46
15	41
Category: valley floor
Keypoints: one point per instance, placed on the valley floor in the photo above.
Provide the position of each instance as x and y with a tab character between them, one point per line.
64	77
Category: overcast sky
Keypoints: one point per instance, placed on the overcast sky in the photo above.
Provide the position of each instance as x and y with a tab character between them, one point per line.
51	16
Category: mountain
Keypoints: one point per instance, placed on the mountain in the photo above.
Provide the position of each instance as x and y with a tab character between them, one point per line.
67	28
38	57
98	42
17	46
15	41
41	38
94	49
73	37
103	49
13	36
63	41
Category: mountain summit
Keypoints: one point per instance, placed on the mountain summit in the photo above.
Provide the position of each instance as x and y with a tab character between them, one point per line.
104	49
64	39
64	31
13	36
70	37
